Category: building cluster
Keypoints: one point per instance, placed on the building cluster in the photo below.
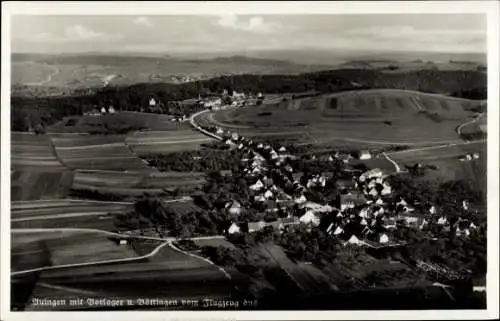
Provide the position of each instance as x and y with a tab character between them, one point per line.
102	111
365	211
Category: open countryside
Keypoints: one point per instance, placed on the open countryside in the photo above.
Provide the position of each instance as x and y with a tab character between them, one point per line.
245	183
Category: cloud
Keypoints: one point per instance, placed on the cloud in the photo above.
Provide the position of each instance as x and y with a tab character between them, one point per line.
76	33
253	24
143	21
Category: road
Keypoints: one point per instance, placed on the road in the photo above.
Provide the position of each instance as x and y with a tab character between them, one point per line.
166	242
472	121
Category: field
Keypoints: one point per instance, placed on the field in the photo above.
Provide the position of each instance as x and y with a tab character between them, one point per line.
97	153
306	278
377	117
36	172
135	184
166	142
214	242
66	214
33	152
172	274
121	119
51	248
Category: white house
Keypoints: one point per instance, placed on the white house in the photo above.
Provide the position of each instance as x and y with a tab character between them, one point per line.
373	192
472	226
387	190
364	222
257	186
432	210
465	205
338	231
373	173
234	136
274	155
354	240
260	145
475	155
383	238
442	220
330	158
111	110
103	110
268	194
301	199
220	131
402	202
123	242
379	201
282	149
233	229
310	218
235	208
364	154
363	213
259	198
152	102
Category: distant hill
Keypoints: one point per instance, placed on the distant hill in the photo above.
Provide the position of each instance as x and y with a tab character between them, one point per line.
245	60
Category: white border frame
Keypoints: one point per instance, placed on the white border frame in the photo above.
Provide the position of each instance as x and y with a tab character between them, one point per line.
490	8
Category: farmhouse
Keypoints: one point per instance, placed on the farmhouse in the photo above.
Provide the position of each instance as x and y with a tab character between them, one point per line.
257	186
233	229
235	208
374	173
350	200
310	218
364	154
152	102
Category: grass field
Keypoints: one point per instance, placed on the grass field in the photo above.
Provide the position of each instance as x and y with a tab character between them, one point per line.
370	116
66	214
166	141
36	172
122	119
33	152
172	275
97	153
41	249
307	278
135	184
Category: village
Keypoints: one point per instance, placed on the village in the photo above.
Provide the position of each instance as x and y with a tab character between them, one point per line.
365	212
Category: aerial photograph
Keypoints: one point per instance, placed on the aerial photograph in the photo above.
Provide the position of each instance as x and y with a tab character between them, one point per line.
248	162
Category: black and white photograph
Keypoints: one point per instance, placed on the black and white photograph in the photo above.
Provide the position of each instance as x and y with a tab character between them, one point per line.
183	159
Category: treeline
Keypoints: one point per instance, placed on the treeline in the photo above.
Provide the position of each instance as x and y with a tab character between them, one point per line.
195	161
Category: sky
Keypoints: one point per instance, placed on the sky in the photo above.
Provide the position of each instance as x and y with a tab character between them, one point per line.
450	33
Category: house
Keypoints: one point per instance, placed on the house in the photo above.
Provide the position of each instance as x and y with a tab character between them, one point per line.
338	231
301	199
353	240
387	190
259	198
273	155
152	102
316	207
271	206
268	194
373	192
401	202
233	229
103	110
234	136
123	242
235	208
363	213
383	238
310	218
364	154
257	186
373	173
350	200
220	131
111	110
256	226
345	184
475	155
465	205
442	220
260	145
432	209
379	201
282	149
363	222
